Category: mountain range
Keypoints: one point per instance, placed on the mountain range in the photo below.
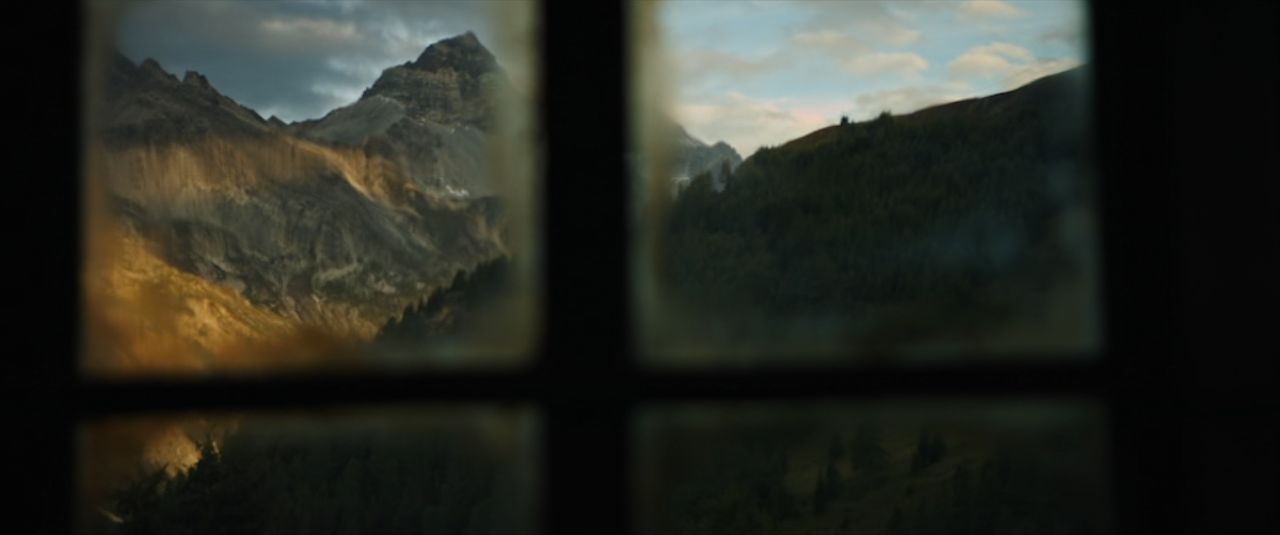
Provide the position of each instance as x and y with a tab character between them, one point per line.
217	228
219	239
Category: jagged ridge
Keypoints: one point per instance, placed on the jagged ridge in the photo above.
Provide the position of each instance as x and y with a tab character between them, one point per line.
335	224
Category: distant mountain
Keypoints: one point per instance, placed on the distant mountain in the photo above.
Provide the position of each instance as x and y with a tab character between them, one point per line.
431	115
694	157
949	221
452	82
335	224
147	105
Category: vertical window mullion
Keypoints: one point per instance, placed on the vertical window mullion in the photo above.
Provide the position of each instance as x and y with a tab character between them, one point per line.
585	350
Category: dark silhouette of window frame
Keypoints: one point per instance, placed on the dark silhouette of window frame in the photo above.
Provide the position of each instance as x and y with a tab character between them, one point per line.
584	380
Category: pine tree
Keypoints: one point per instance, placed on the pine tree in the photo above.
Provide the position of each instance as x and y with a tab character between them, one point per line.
930	449
865	451
820	495
921	457
895	522
833	481
961	485
939	448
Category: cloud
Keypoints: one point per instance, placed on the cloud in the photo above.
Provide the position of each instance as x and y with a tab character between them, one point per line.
827	39
905	64
297	60
790	68
1070	34
747	123
715	63
864	14
907	99
1012	65
311	28
854	56
338	93
989	9
1037	69
883	34
877	22
887	32
988	61
822	39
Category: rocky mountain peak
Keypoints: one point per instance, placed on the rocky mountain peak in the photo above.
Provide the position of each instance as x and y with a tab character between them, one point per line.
196	79
150	64
693	157
121	63
151	69
147	104
452	82
462	54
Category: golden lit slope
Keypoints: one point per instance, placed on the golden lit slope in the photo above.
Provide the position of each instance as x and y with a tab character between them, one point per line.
230	169
144	316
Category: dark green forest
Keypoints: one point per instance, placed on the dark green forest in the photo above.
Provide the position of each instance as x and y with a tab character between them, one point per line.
440	479
861	475
947	217
448	311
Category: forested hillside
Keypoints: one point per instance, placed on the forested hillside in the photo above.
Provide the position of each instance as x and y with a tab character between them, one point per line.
446	312
381	474
1007	470
954	216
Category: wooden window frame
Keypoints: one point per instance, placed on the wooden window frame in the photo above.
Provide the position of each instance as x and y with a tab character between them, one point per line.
584	380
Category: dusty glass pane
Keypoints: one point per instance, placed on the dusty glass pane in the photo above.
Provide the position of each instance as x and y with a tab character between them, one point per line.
438	470
906	180
301	185
891	467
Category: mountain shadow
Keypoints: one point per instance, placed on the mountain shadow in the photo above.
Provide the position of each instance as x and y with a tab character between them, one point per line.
938	225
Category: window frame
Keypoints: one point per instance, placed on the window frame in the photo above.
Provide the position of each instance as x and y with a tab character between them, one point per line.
584	379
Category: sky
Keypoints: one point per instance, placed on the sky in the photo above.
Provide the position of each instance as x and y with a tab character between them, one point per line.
754	73
748	72
295	59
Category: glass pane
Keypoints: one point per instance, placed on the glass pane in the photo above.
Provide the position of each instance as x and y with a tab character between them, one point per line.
890	467
908	180
302	185
442	470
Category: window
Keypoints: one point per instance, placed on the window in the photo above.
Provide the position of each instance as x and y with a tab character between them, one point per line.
910	182
457	468
586	380
886	466
311	200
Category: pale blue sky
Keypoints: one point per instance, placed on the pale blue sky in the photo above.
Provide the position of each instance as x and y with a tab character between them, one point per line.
758	73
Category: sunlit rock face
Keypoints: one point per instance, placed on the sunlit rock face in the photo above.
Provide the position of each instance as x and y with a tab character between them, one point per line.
332	225
431	117
450	83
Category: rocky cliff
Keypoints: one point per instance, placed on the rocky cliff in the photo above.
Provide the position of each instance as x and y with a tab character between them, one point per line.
332	225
